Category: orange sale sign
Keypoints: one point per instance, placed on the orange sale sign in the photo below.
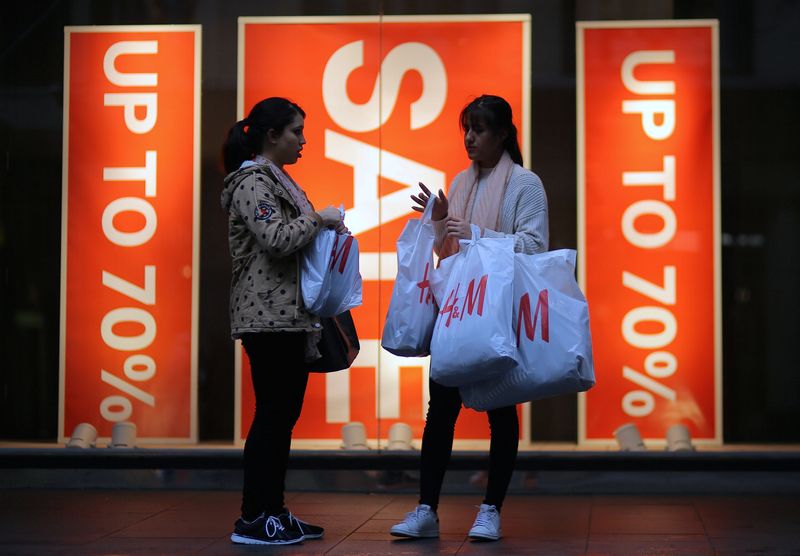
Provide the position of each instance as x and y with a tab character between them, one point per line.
130	230
382	98
648	179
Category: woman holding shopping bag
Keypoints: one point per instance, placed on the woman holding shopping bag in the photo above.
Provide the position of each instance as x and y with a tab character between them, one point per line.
270	220
504	200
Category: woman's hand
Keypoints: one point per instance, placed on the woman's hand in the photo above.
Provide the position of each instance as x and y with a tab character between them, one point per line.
340	228
440	205
330	216
458	228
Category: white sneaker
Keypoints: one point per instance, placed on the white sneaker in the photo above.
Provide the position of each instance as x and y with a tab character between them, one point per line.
487	524
421	523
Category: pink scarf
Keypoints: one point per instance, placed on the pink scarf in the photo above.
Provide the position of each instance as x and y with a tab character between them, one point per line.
291	187
486	212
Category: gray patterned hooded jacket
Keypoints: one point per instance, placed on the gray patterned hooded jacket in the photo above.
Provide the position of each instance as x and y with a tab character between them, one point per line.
266	234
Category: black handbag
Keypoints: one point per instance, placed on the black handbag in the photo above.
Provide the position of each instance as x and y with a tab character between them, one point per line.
339	344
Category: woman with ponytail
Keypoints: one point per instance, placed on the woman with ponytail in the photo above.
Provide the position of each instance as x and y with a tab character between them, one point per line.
504	200
270	220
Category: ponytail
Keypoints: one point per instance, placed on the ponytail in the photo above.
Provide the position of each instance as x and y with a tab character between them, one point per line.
246	137
511	145
236	148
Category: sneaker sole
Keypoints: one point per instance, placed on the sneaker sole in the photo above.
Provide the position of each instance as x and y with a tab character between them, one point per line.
429	535
239	539
306	536
484	537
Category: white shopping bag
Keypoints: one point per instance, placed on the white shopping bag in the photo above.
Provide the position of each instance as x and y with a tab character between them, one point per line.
554	343
412	309
473	339
330	278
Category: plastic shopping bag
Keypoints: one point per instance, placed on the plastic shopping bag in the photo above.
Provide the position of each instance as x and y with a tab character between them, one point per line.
412	309
330	278
554	343
473	339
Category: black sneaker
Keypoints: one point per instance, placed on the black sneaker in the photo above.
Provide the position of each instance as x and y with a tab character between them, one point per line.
308	531
264	530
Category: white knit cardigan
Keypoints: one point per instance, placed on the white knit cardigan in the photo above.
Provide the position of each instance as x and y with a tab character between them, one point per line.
523	213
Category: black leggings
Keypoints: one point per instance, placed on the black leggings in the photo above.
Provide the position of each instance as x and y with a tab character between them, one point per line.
437	444
279	381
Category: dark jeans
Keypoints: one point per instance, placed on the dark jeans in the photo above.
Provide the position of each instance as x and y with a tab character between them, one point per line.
279	380
437	444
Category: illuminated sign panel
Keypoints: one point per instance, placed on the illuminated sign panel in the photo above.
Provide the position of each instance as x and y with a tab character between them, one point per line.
130	230
648	180
382	98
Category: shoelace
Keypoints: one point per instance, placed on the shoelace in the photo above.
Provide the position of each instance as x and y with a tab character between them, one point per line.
300	523
483	519
415	515
276	525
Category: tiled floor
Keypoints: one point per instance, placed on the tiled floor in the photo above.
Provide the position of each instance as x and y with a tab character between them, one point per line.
199	522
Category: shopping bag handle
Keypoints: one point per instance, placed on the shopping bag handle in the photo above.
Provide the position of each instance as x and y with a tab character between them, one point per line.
427	214
476	232
476	235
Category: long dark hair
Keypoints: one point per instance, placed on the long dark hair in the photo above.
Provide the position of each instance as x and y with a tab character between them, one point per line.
496	112
246	137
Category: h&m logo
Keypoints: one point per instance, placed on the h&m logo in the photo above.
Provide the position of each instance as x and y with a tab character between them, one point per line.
524	316
473	296
342	254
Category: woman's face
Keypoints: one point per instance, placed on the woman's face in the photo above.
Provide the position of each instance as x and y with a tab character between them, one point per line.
482	144
286	150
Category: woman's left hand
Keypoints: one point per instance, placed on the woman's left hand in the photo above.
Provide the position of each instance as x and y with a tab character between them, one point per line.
458	228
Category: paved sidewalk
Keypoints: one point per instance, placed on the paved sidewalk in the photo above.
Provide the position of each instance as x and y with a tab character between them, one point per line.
92	522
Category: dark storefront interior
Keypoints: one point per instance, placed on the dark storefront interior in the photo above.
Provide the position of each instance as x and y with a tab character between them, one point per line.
760	191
